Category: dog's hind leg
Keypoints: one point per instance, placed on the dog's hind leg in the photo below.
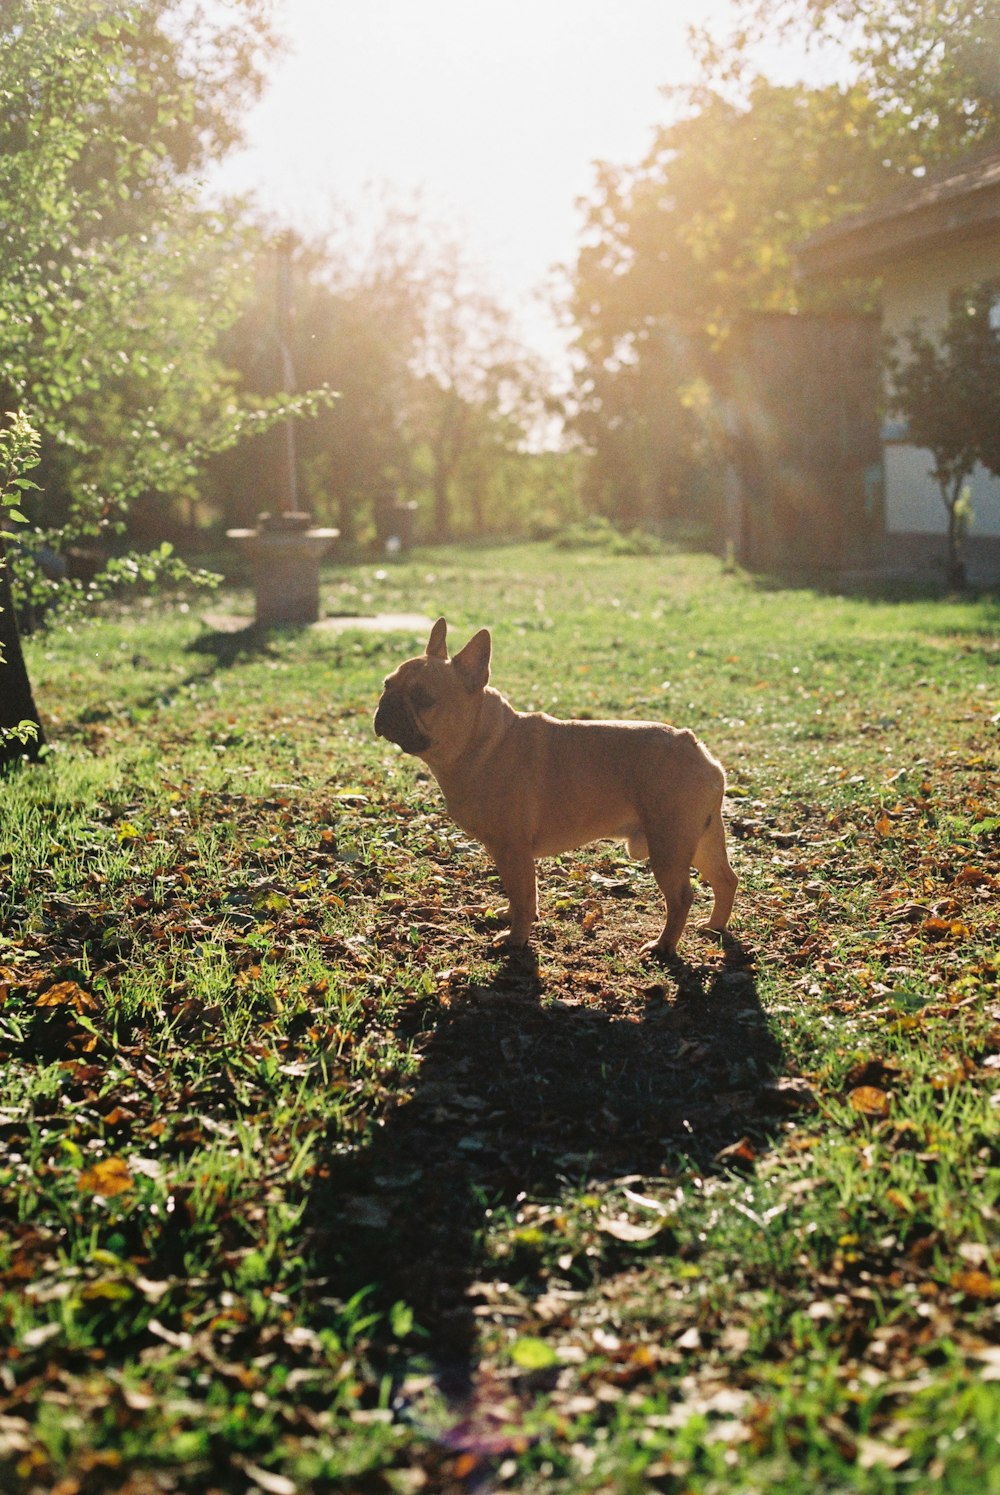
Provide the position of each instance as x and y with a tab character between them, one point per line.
711	860
673	878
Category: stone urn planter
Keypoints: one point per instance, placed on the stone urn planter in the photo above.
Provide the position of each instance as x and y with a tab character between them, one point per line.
284	552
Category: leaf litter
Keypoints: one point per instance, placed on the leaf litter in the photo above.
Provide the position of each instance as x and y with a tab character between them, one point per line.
336	1198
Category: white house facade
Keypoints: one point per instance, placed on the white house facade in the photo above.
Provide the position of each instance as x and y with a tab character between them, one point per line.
940	236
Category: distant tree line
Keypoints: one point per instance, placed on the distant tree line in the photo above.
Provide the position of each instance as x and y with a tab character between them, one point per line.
437	404
141	346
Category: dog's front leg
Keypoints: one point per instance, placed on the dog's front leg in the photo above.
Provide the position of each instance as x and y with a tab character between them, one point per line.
516	867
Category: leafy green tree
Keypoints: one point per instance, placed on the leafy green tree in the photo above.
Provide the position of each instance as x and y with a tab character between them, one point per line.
706	226
642	421
947	389
677	248
496	476
111	271
931	71
114	283
20	731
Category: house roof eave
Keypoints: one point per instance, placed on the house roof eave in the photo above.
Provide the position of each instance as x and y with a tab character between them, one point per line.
962	204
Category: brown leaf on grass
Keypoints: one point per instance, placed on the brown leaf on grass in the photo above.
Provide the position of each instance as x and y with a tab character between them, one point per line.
107	1178
465	1465
868	1100
35	1338
268	1480
974	877
975	1283
741	1154
591	919
66	994
940	929
908	913
874	1454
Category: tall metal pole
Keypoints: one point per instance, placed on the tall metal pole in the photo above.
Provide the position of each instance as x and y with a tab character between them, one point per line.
285	323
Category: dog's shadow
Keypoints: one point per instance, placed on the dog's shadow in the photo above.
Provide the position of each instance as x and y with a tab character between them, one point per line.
517	1094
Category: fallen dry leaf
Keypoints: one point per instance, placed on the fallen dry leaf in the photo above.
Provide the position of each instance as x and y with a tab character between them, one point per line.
869	1100
107	1178
624	1230
66	994
976	1284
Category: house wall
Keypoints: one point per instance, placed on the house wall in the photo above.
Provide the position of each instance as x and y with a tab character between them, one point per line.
913	500
918	290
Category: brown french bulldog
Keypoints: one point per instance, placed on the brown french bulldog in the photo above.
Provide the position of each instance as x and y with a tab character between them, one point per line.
527	785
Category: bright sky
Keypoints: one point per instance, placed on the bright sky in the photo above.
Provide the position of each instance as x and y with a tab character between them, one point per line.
494	110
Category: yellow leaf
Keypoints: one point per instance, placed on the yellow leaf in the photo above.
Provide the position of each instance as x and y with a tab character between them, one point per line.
109	1177
869	1100
976	1284
943	928
531	1353
111	1289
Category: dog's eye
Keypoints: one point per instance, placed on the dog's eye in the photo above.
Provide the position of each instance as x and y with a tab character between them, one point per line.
421	698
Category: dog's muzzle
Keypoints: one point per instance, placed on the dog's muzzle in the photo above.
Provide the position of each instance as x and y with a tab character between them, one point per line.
394	721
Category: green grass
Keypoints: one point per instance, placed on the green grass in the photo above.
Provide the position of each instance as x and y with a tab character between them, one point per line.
305	1188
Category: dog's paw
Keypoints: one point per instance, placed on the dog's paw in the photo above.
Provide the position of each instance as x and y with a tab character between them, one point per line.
661	954
506	944
715	931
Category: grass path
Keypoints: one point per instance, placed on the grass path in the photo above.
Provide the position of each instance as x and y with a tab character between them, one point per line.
304	1188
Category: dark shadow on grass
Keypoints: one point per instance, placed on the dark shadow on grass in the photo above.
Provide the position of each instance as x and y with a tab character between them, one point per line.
231	647
517	1094
874	586
228	648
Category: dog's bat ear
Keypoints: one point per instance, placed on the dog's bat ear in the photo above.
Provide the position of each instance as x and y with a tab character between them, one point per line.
473	662
436	646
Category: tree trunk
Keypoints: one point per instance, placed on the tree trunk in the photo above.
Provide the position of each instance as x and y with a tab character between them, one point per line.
955	568
442	506
17	704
